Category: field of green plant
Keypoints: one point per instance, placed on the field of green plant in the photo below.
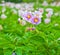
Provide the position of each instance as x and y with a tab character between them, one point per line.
17	39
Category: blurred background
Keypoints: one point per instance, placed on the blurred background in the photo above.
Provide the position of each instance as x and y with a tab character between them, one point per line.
18	1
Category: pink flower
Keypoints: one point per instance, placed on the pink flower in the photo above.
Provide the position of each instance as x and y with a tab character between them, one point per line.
45	3
17	6
36	20
41	10
49	10
38	14
48	15
27	16
3	16
30	28
47	20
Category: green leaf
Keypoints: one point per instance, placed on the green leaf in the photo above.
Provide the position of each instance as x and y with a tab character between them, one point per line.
1	51
18	51
8	52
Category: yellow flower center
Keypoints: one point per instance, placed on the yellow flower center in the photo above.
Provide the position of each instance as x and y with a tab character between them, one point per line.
28	16
36	20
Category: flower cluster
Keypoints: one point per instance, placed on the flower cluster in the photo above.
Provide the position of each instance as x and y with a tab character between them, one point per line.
45	3
48	15
27	13
29	17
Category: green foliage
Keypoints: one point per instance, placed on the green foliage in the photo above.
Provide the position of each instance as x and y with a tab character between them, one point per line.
16	1
42	41
49	1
